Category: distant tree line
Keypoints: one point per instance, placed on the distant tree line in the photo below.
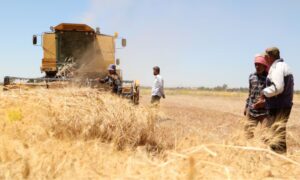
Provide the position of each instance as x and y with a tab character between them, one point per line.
224	87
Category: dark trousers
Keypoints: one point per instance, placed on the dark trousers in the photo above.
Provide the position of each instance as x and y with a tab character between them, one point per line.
277	121
155	99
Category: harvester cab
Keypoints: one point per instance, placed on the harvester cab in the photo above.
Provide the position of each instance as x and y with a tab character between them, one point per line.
76	52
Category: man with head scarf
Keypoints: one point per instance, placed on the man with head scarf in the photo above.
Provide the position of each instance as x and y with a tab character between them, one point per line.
257	82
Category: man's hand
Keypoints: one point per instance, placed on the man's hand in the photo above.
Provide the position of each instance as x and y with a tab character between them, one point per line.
163	96
101	81
97	79
260	103
245	112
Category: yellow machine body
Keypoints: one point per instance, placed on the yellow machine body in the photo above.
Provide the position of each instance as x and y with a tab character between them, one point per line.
75	54
90	50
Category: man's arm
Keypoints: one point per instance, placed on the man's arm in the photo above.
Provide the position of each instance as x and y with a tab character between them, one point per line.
277	85
248	99
161	88
104	80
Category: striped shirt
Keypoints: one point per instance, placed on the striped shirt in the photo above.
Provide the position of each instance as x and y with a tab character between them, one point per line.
256	85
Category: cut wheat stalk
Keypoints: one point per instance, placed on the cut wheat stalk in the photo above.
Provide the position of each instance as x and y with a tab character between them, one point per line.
258	150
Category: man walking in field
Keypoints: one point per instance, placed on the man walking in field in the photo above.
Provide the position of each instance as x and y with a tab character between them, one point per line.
158	86
257	82
278	96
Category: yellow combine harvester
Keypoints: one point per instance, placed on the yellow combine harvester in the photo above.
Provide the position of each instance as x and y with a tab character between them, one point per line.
76	54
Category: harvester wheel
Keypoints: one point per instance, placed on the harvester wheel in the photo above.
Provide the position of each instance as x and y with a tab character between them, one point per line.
51	74
6	83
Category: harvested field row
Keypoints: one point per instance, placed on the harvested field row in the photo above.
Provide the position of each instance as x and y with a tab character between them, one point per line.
83	133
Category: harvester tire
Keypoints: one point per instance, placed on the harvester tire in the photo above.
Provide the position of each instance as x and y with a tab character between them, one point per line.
6	81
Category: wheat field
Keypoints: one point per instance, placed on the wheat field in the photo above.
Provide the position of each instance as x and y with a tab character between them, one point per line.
80	133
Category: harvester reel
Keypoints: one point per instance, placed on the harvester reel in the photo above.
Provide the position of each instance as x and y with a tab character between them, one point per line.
67	69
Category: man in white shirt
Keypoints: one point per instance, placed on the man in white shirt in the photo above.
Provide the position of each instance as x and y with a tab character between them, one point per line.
278	98
158	86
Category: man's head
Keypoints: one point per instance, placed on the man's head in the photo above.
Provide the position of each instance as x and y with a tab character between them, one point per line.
261	64
156	70
273	54
111	69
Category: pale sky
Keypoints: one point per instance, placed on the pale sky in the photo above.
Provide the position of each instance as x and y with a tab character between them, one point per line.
196	43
